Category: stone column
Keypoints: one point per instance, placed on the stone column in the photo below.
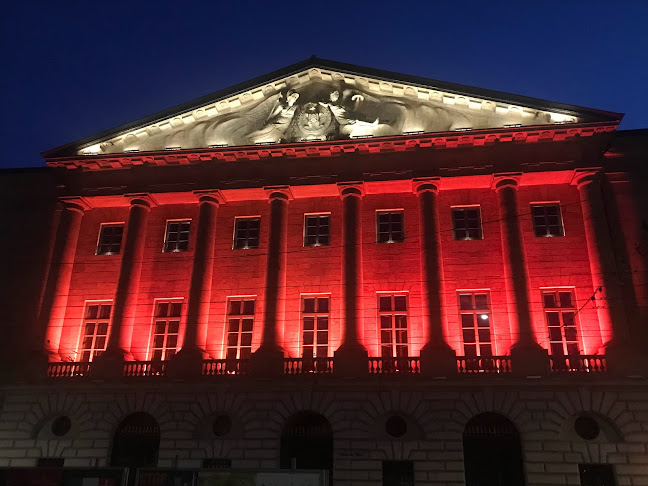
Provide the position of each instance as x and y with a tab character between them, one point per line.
437	357
268	359
188	361
110	363
351	358
527	356
612	315
57	288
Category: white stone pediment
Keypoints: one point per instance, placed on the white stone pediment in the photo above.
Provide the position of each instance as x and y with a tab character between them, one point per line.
316	104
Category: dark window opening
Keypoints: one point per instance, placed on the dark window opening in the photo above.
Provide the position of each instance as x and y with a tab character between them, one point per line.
246	233
396	426
316	230
398	473
596	475
110	239
390	227
466	223
492	452
50	462
61	426
222	425
547	220
307	443
586	427
217	463
177	236
136	444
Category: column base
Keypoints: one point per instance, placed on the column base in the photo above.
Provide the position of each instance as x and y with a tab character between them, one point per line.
438	361
351	360
529	360
267	362
186	364
108	366
622	359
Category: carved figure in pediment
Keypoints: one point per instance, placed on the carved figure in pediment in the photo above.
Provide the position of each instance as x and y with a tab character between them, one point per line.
278	120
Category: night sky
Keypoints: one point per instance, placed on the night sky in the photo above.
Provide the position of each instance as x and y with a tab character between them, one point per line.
71	68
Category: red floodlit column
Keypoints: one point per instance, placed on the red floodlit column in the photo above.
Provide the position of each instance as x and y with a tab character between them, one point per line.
527	356
437	357
351	357
188	361
55	299
613	319
268	359
117	350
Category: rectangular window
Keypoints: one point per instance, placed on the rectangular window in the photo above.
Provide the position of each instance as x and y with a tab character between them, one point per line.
315	319
110	239
475	324
398	473
246	233
547	220
390	226
216	463
466	223
165	329
560	312
95	330
50	462
392	310
240	316
596	475
316	229
177	236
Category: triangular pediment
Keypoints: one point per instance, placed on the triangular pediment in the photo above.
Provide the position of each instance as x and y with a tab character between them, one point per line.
323	100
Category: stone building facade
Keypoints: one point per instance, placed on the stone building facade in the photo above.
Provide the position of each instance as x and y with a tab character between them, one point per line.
391	279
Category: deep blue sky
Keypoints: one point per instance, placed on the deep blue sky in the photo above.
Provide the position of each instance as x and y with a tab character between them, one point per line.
71	68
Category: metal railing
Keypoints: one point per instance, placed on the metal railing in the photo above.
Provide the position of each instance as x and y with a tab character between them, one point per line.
145	368
302	366
583	363
483	364
388	366
67	369
213	367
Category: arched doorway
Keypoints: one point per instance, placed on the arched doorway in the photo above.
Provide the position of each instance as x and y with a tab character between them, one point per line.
492	452
307	443
136	443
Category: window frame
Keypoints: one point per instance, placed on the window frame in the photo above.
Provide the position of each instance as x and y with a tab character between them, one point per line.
236	228
480	229
547	234
168	319
394	343
166	236
390	232
240	317
315	315
476	314
317	236
121	239
562	311
93	350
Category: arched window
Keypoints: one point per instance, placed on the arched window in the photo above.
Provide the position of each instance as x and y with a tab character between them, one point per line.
136	443
492	452
307	443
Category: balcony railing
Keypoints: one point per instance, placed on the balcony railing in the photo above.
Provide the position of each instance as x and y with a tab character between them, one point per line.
213	367
584	363
388	366
483	364
302	366
67	369
145	368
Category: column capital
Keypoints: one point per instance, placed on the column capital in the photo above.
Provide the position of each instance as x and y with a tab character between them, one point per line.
74	203
142	199
583	177
210	196
507	179
351	189
426	184
278	192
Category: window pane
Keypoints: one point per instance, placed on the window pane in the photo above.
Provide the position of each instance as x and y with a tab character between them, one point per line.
322	323
553	319
481	301
568	318
158	341
175	310
401	336
484	335
385	337
322	337
323	304
160	327
102	328
485	350
468	336
566	299
89	328
400	321
554	334
385	322
246	339
483	320
470	350
400	303
233	325
467	321
172	341
308	338
385	303
570	333
247	325
309	305
549	301
234	307
465	302
248	307
91	312
309	323
572	348
232	339
173	327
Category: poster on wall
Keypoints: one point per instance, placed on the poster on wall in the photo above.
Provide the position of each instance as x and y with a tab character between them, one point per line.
209	478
